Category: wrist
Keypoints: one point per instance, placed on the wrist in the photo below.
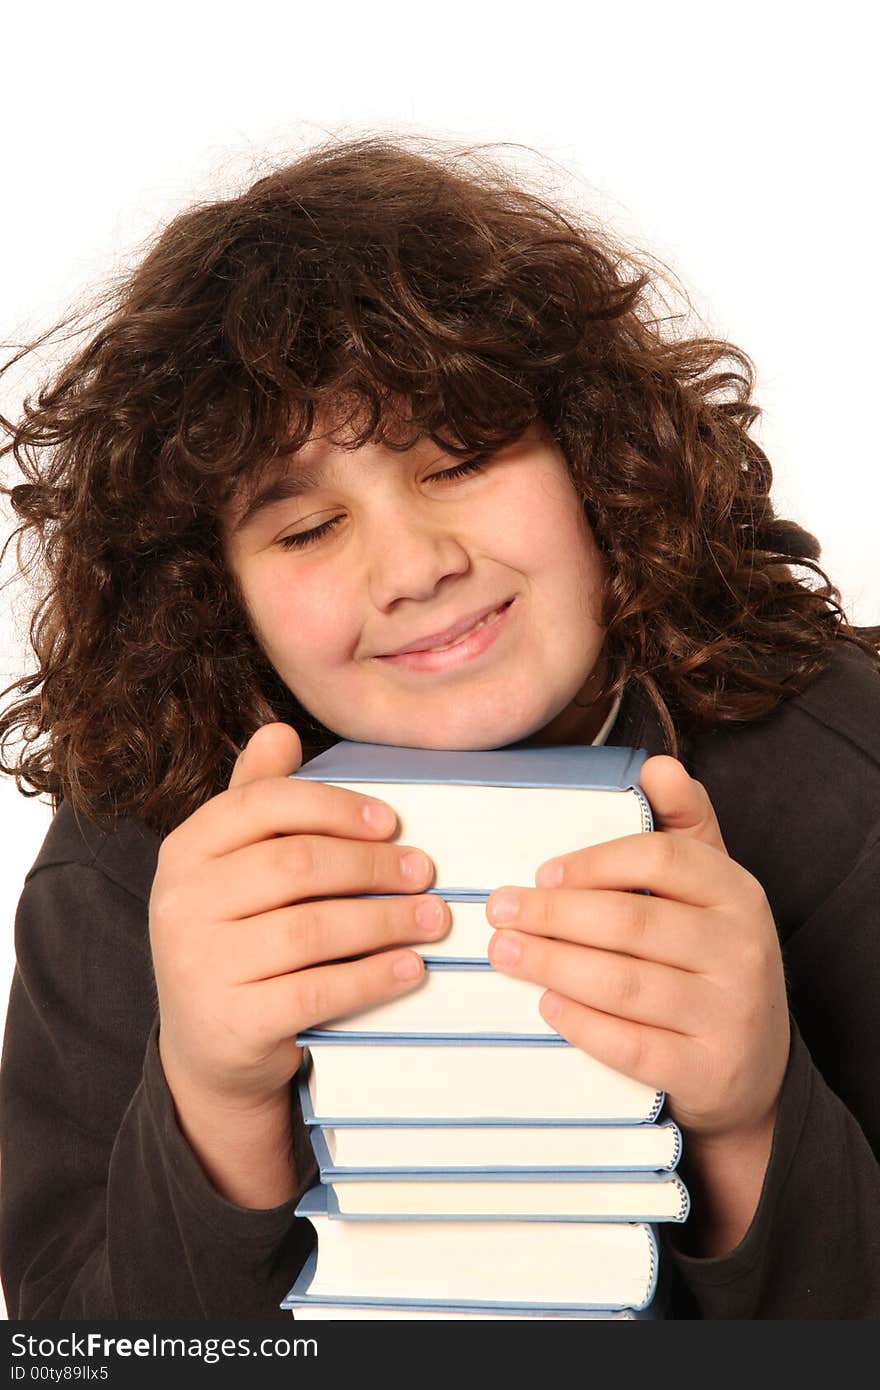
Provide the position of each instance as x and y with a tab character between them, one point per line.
751	1137
724	1174
244	1145
193	1087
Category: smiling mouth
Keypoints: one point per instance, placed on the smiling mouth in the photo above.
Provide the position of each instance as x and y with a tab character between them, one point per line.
463	636
453	641
467	647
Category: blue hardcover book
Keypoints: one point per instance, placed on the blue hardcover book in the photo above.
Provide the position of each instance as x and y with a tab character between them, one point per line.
346	1147
435	1080
547	1263
574	765
467	940
469	1046
502	1195
519	806
466	1000
307	1306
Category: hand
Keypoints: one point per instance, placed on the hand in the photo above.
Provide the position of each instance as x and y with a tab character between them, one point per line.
245	922
683	990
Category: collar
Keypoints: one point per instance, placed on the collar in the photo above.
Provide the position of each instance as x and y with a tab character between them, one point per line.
638	726
602	735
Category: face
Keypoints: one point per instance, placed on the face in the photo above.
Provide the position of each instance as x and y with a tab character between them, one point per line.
407	550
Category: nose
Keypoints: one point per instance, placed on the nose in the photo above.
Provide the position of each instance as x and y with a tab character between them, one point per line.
411	553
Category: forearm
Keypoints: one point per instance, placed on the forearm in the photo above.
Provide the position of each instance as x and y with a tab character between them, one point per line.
143	1234
812	1249
105	1210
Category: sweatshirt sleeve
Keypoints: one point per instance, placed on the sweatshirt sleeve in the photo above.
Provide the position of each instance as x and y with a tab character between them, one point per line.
105	1211
813	1248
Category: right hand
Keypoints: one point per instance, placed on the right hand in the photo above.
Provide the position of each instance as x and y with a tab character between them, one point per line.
244	922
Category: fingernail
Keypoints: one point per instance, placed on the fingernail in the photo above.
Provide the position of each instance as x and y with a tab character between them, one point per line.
551	1007
429	915
414	865
378	815
407	967
549	875
506	950
503	907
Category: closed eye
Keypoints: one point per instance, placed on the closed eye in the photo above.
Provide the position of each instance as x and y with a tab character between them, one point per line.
469	466
304	538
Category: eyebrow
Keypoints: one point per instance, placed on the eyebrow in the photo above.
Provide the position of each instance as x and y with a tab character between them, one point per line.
307	478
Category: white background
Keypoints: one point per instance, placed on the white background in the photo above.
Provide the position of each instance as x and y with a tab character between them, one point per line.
737	145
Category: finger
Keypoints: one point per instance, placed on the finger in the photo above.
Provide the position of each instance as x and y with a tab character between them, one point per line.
654	1056
639	990
288	869
255	809
333	929
286	1004
273	750
650	928
671	866
678	802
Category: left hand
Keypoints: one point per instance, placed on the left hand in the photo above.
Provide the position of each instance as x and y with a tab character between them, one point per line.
684	989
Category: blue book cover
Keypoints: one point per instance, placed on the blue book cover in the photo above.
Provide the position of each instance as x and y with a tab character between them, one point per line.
329	1037
605	768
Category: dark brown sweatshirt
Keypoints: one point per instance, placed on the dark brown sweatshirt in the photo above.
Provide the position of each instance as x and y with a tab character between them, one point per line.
106	1213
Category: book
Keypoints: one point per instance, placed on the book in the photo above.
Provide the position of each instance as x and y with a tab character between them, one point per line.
344	1148
461	1148
529	804
312	1307
500	1194
472	1162
566	798
467	940
388	1079
307	1309
452	1000
545	1264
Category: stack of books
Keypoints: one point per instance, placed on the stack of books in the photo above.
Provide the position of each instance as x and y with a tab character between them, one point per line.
473	1163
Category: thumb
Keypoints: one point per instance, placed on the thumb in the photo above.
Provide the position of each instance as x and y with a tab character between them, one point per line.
273	750
680	803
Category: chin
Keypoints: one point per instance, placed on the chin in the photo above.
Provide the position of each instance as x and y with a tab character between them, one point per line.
431	738
495	724
475	736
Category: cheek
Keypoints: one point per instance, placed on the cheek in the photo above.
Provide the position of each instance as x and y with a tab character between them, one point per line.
535	527
591	564
578	572
561	542
303	615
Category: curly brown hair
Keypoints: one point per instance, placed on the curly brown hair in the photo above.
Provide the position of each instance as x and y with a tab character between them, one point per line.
371	271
